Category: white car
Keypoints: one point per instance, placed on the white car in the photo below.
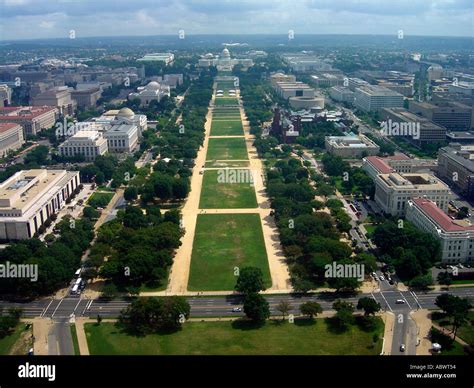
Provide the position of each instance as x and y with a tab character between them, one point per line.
382	278
236	310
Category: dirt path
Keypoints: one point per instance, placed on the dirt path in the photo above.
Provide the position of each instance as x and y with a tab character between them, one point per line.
276	259
389	320
81	336
179	274
423	322
41	328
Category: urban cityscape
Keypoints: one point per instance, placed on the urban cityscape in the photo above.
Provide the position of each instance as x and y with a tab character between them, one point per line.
237	179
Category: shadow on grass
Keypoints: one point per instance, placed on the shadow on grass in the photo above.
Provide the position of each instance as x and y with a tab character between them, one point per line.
246	325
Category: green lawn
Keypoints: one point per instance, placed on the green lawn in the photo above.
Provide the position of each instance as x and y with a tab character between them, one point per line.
465	332
237	338
225	164
221	243
227	149
227	189
226	128
100	199
225	101
7	343
75	342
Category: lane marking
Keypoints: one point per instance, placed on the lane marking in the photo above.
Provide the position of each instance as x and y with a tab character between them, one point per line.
54	312
406	301
46	309
381	293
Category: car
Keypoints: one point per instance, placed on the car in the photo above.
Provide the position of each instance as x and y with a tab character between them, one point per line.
391	282
460	266
237	310
400	301
382	278
402	347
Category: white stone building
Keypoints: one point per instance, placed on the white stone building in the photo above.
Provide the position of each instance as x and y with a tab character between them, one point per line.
455	236
30	197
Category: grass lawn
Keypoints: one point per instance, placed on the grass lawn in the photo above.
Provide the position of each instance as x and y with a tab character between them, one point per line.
221	243
75	342
465	332
370	228
100	199
220	193
11	343
237	338
224	164
225	101
226	128
227	149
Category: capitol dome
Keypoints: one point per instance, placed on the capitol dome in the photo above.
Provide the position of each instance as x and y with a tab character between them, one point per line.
226	53
153	85
126	112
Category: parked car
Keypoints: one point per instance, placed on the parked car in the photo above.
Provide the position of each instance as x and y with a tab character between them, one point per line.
400	301
236	310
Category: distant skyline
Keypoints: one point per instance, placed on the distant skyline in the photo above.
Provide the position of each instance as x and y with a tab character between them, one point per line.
33	19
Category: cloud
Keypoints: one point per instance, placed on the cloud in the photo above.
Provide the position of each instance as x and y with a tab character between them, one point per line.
26	19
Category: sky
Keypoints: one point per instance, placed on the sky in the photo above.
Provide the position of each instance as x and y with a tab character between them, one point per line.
30	19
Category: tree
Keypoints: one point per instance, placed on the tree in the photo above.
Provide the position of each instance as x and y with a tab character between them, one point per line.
311	309
90	212
284	307
109	291
455	308
130	193
445	278
256	307
250	280
150	315
369	305
344	315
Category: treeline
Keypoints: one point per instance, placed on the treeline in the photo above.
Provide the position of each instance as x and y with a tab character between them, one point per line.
139	249
310	238
106	167
180	143
253	90
408	250
56	261
353	180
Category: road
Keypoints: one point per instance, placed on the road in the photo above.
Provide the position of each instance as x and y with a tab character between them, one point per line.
217	306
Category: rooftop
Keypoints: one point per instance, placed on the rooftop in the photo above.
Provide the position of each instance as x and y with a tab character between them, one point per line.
440	218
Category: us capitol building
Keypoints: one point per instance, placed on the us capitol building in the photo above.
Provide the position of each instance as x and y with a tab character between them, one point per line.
223	62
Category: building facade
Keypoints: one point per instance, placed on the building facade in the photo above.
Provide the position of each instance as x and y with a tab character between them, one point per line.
33	119
90	144
11	137
394	190
30	197
455	236
351	146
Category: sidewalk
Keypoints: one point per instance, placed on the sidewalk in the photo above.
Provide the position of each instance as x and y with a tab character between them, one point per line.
388	319
422	319
81	335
